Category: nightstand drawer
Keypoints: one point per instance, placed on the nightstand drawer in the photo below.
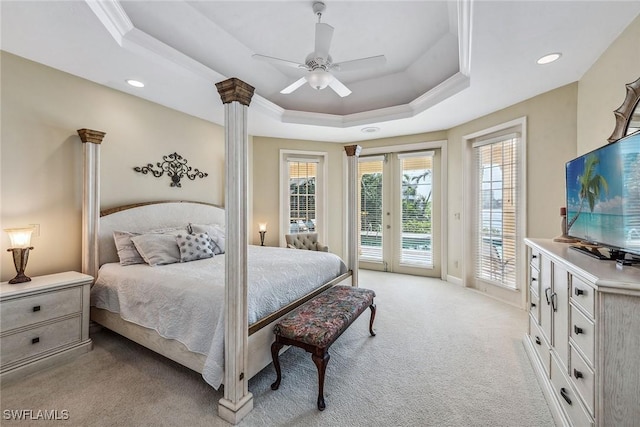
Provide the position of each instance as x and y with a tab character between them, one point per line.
19	312
534	306
582	332
40	340
583	295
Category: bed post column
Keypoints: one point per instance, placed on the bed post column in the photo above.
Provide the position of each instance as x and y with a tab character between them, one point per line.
90	198
353	152
237	401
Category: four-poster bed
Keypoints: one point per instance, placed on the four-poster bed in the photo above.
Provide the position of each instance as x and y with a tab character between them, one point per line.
239	336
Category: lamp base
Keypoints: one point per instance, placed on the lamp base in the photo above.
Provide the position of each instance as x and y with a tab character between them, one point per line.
20	258
261	237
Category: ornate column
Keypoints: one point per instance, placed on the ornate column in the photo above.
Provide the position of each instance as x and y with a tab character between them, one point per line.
90	198
237	401
353	152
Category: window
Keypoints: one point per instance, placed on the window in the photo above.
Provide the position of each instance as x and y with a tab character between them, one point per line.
370	173
302	193
497	182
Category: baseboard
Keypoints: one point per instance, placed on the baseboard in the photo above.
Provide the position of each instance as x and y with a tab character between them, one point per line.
454	280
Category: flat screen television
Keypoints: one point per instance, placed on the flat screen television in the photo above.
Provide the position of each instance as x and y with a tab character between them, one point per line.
603	196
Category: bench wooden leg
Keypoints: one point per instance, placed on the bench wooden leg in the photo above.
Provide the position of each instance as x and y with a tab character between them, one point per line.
275	350
373	316
321	358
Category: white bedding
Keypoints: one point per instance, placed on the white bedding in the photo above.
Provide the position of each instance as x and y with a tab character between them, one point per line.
183	301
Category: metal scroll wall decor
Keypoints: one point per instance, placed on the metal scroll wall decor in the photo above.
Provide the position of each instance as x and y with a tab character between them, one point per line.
175	167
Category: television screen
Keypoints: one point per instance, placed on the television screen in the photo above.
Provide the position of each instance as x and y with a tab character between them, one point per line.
603	195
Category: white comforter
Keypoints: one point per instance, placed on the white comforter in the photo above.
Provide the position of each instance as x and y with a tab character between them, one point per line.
184	301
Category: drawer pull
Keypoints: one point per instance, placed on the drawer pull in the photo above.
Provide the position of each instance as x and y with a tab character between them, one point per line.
36	308
565	395
35	340
577	373
554	301
533	304
538	340
533	279
577	330
534	256
578	292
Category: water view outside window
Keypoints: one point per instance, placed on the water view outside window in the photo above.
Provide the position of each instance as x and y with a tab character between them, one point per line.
416	210
370	174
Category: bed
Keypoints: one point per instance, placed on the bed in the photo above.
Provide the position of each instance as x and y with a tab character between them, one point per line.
246	346
176	309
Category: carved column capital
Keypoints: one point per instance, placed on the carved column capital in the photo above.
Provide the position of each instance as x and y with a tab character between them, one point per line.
353	150
235	89
89	135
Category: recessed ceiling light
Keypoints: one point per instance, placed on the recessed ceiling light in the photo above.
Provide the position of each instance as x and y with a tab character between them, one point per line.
549	58
370	129
135	83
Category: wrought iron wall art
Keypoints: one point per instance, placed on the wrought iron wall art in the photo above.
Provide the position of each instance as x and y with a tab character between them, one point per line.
175	166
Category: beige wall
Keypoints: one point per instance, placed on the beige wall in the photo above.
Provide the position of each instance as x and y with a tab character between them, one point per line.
41	157
602	89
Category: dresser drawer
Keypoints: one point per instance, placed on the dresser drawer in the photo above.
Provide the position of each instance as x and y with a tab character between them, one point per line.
534	258
582	332
534	306
540	344
40	340
534	280
583	379
567	397
583	295
25	311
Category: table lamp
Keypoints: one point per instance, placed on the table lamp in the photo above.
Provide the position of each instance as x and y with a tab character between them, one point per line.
262	228
20	246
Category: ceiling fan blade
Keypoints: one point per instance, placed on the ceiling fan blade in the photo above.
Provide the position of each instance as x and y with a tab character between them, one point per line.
324	33
293	86
339	88
278	61
355	64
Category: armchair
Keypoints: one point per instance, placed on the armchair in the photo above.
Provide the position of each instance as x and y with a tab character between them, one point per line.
307	241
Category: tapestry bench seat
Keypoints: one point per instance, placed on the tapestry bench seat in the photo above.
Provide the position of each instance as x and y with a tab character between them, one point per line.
317	324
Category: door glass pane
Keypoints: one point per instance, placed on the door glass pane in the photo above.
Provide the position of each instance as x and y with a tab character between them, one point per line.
496	244
302	196
370	177
416	200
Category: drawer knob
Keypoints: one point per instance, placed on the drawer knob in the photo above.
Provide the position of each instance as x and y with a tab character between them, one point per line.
533	304
36	308
565	395
538	340
533	279
577	374
577	330
534	256
35	340
578	292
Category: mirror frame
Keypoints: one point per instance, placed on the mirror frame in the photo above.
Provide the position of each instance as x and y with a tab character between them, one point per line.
624	112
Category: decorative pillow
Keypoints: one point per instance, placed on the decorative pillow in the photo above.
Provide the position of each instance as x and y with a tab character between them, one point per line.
194	246
215	232
157	249
126	250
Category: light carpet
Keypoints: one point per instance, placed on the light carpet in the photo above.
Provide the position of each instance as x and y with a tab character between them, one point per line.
443	356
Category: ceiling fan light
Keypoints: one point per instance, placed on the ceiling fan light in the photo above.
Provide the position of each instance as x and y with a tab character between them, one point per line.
319	79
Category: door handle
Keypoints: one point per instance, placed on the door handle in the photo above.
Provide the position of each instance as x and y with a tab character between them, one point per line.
554	301
565	395
546	295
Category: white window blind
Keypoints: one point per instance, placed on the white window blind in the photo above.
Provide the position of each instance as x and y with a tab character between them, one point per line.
497	176
303	175
370	178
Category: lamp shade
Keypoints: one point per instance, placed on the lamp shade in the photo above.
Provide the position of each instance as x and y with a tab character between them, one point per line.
319	78
20	237
262	226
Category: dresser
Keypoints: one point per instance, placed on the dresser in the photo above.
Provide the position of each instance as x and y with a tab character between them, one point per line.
584	335
43	322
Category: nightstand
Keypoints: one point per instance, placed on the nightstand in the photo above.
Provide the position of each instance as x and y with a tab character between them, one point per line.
43	322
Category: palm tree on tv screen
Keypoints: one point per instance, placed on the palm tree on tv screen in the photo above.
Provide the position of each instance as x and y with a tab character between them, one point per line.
590	184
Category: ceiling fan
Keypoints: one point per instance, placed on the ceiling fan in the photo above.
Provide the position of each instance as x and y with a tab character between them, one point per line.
319	62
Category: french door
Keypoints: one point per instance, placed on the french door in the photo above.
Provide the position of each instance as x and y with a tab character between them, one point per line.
399	212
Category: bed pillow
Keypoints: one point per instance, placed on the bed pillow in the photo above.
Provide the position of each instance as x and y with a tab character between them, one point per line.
215	232
194	246
157	249
127	252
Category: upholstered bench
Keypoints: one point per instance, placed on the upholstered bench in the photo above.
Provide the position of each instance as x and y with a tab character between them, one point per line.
317	324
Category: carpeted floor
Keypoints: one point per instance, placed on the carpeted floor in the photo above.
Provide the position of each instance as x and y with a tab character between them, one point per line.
443	356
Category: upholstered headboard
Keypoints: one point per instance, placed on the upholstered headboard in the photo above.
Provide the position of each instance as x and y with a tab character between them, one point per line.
151	216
